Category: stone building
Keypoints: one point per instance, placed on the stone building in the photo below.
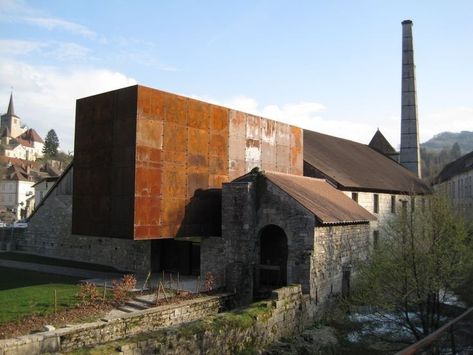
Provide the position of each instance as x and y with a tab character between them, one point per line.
455	182
280	229
169	187
378	183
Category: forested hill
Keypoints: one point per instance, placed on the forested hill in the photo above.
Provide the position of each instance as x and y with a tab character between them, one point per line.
448	139
442	149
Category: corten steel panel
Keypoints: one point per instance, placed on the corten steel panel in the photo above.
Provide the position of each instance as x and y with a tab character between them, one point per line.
104	150
143	154
296	152
148	163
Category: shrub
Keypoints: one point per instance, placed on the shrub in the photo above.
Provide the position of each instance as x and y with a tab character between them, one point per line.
88	293
122	289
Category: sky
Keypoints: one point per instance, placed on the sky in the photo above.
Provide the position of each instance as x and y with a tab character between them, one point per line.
330	66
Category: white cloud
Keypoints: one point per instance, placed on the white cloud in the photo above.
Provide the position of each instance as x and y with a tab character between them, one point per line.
451	119
18	11
12	47
307	115
45	96
63	51
51	23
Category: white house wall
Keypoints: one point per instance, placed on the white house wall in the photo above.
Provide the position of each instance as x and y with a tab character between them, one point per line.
459	191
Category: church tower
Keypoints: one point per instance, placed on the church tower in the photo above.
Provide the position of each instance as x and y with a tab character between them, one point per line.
410	152
11	122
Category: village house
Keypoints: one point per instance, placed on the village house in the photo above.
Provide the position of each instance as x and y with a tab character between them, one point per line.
19	141
16	186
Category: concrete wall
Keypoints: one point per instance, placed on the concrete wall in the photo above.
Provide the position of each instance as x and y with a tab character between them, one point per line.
90	334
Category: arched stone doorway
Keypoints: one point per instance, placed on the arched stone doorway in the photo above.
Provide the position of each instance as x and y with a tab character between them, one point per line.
271	272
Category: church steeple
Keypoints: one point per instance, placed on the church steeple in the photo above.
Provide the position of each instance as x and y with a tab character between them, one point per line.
11	107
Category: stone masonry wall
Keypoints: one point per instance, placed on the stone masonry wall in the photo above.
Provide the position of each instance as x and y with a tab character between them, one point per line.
384	214
49	234
241	331
91	334
336	248
212	259
248	207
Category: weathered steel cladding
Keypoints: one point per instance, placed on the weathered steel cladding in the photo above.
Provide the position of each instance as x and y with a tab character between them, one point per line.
104	164
170	155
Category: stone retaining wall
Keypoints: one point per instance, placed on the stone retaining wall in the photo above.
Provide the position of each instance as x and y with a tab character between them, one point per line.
90	334
253	327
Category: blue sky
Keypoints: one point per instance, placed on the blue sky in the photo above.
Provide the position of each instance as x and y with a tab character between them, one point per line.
331	66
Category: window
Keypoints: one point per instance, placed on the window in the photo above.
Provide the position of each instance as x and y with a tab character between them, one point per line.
393	204
354	196
404	206
422	202
375	239
376	203
346	273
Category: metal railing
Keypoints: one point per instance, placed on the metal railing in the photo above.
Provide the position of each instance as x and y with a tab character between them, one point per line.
455	337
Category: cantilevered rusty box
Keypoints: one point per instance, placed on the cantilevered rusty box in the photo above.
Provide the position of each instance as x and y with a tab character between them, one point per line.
146	161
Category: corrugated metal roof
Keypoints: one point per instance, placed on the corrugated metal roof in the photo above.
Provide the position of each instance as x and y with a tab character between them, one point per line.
328	205
356	166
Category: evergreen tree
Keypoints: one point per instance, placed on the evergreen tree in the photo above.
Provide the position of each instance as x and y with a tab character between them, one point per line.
51	143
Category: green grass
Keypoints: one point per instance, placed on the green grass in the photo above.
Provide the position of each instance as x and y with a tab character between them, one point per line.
26	292
37	259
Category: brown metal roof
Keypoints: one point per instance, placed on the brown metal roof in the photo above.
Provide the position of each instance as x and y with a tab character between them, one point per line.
328	205
355	166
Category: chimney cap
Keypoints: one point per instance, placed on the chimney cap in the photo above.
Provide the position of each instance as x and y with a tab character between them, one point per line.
407	22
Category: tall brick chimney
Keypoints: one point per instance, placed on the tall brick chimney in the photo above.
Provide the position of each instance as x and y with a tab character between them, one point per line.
410	152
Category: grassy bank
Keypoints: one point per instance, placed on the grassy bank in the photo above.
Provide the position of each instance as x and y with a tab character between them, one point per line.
28	292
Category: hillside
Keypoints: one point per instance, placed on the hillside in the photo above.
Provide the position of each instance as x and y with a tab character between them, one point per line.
442	149
448	139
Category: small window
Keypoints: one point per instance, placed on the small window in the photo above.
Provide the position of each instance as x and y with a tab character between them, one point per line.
354	196
404	206
375	239
422	201
346	275
393	204
376	203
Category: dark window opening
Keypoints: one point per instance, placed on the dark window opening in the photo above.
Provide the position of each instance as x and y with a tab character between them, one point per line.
375	239
354	196
393	204
376	203
346	273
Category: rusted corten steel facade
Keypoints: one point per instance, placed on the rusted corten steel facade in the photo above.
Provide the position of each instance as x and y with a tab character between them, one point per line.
141	155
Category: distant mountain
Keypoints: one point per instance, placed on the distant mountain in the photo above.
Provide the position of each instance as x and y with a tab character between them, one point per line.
448	139
442	149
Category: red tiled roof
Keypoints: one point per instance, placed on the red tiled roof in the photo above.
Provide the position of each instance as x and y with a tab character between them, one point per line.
24	142
32	136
